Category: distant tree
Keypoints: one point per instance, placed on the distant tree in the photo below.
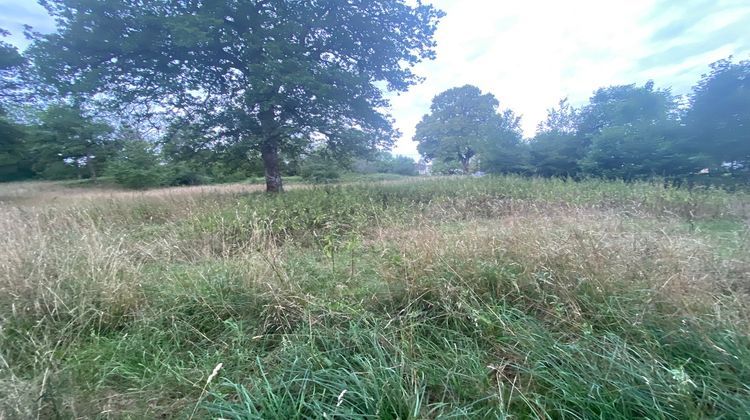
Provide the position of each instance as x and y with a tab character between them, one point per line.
556	154
718	119
320	168
14	154
365	166
450	167
66	135
505	152
188	146
402	165
557	149
274	75
137	165
625	105
462	122
562	119
387	163
631	132
634	151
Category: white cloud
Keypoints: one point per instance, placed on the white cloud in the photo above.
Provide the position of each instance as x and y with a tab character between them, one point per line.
532	53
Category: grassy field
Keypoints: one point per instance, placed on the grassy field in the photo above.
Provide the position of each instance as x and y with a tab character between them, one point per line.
483	298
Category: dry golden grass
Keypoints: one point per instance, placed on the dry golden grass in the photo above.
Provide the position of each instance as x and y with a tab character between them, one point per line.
55	193
564	248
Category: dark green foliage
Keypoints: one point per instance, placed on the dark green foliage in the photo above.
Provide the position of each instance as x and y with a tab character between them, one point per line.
9	56
505	152
182	176
556	154
441	167
401	165
634	151
188	148
15	157
320	170
625	132
556	150
630	132
624	105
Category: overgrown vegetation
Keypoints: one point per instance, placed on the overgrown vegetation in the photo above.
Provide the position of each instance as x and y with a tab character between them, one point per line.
406	299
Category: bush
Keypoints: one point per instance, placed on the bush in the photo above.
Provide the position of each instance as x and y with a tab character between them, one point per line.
320	171
182	176
58	170
403	165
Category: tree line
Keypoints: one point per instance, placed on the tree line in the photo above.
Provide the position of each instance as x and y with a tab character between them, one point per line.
64	142
176	92
627	132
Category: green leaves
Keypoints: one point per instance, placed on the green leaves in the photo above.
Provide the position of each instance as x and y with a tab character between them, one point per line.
276	73
465	122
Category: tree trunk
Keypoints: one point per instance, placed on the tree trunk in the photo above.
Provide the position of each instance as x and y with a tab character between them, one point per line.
465	164
270	153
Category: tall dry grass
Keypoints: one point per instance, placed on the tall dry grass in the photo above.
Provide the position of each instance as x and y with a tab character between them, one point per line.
107	297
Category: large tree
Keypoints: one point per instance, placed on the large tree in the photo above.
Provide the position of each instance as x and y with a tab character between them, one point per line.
275	75
464	122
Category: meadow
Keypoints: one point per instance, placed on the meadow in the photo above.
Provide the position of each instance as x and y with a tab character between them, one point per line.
494	297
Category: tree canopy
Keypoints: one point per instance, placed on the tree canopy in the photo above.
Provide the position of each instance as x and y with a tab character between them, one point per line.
630	132
275	75
463	122
557	149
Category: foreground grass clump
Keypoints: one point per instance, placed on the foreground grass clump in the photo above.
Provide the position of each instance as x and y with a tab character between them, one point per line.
408	299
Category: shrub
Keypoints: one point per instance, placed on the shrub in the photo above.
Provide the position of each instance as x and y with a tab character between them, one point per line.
320	171
180	175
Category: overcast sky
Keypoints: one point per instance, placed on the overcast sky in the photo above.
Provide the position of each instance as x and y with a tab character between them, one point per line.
531	53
